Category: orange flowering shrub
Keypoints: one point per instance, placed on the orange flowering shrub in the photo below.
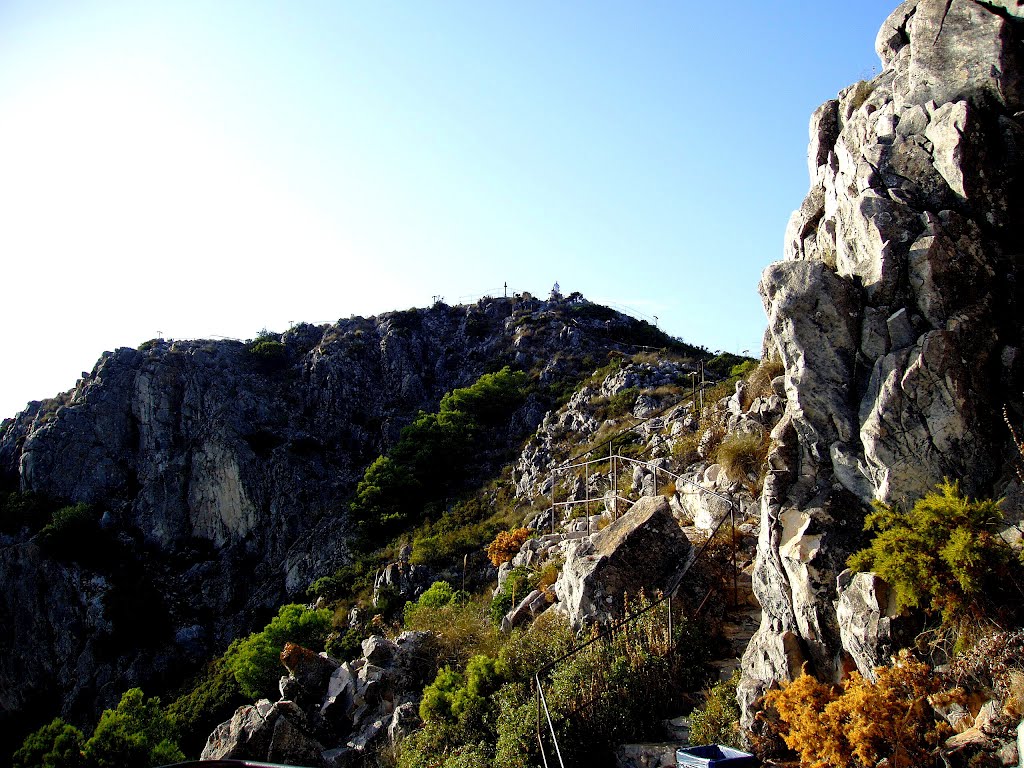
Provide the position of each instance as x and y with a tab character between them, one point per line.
506	545
861	723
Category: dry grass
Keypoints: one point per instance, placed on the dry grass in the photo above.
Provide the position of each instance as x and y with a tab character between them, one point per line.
759	382
1013	705
684	449
743	456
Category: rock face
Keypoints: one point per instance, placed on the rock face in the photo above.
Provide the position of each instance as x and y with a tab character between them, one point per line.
895	312
222	470
599	569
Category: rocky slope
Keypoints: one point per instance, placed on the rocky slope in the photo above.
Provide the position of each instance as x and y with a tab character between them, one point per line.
895	312
221	471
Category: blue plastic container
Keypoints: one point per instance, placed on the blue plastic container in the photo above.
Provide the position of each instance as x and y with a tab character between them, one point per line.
714	756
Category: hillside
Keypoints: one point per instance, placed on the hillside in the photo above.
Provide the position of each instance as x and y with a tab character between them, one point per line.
214	479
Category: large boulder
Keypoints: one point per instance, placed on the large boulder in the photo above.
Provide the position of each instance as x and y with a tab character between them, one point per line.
642	550
265	732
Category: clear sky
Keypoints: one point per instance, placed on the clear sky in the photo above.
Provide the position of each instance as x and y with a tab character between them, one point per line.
215	168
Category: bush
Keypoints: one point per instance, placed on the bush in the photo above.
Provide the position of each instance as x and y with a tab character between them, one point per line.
506	545
945	555
56	745
463	700
19	510
519	582
136	733
346	645
717	722
863	722
437	595
461	630
255	661
619	688
70	523
434	453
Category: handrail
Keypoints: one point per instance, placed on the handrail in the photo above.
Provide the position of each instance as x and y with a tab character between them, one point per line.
610	631
674	585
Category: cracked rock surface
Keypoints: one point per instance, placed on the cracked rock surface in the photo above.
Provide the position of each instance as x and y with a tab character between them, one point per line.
895	311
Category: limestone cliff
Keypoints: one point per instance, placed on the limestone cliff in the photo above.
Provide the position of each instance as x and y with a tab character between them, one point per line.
222	470
895	311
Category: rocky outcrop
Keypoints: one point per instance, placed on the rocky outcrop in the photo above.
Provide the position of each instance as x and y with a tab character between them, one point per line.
331	713
600	569
895	312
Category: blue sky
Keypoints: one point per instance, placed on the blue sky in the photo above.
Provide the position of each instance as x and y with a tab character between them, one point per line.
215	168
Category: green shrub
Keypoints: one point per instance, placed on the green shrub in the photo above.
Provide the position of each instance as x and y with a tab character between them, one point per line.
137	732
56	745
621	403
255	661
518	584
432	458
386	497
346	645
69	523
742	369
437	595
717	722
268	349
463	699
24	510
944	555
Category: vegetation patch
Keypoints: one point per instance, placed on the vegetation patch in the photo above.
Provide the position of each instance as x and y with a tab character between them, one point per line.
862	723
945	556
506	545
255	660
743	455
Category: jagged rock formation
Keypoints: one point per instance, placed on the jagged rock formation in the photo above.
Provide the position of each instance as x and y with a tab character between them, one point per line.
895	311
331	713
222	470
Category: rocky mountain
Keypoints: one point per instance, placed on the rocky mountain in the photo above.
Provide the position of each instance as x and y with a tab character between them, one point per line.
217	474
896	313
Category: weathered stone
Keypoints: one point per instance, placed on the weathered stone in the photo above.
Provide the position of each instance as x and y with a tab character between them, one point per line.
892	312
642	550
404	720
291	745
870	625
378	650
246	736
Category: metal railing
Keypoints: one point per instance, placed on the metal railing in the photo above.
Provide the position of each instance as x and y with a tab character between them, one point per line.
666	598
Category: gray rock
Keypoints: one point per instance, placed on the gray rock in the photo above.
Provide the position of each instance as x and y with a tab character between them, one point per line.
378	650
246	736
642	550
870	626
404	720
226	472
891	312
